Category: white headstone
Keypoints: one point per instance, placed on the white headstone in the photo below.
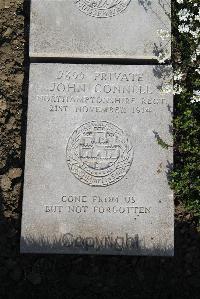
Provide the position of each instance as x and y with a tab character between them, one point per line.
98	155
137	29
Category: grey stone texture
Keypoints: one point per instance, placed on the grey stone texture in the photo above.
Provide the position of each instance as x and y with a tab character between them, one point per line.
128	29
98	156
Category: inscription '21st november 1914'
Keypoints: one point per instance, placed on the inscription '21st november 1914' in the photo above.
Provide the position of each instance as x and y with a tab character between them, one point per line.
103	92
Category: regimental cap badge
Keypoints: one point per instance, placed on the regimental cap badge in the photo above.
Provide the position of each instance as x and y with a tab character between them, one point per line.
102	8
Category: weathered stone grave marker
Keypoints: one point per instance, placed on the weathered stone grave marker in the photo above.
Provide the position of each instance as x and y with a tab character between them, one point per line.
99	146
96	176
100	29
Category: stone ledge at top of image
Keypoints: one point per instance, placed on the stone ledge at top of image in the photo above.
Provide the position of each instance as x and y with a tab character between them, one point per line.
126	29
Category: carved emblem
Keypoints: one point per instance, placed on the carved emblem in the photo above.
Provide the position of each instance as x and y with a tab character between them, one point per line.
99	153
102	8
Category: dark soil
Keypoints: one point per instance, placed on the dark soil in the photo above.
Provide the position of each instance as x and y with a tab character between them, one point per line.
80	277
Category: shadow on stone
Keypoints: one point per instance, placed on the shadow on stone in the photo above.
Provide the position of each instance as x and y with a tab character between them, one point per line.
91	246
163	4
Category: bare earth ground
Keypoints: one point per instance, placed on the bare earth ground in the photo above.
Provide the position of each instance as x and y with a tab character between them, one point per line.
37	276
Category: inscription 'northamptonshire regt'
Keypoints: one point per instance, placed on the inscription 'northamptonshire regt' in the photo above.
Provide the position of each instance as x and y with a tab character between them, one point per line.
99	153
102	8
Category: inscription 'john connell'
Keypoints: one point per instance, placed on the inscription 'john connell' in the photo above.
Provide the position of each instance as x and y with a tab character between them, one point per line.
102	8
99	153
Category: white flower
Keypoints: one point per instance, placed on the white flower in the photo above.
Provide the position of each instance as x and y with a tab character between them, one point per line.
178	76
197	17
196	97
184	14
198	50
164	34
195	33
194	57
163	56
183	28
198	70
166	88
177	89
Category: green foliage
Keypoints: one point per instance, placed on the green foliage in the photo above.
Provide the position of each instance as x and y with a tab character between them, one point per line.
185	178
